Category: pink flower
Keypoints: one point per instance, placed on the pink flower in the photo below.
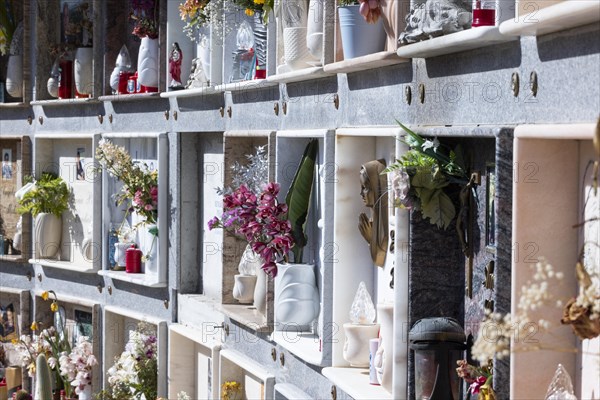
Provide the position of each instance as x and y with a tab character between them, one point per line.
154	193
148	207
476	386
138	198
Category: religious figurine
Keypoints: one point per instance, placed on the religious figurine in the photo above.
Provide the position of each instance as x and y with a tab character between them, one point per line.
374	194
436	18
175	59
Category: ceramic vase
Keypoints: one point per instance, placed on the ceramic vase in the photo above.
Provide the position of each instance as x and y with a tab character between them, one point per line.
149	247
82	71
119	255
260	292
14	76
314	29
385	354
47	235
203	53
147	66
86	393
243	288
358	37
295	48
296	295
356	346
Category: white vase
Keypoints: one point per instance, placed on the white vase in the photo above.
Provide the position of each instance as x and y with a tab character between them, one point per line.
203	53
82	70
149	247
260	292
385	355
14	76
119	255
47	236
314	29
243	288
356	346
86	393
296	295
147	66
295	49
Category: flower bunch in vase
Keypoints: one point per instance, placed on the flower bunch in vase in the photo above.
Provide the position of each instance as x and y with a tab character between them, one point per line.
198	14
253	6
420	176
139	190
144	14
135	372
479	379
76	366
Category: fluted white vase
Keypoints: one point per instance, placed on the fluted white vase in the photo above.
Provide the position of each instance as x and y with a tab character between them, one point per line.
147	66
243	288
385	354
14	76
82	70
296	295
260	292
356	346
149	247
314	29
48	234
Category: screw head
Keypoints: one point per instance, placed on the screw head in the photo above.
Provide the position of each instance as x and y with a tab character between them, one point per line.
100	118
408	95
167	115
229	111
30	120
514	84
175	115
422	93
99	287
29	276
222	111
110	118
285	108
333	392
276	108
282	359
166	303
336	101
39	276
109	290
274	354
533	83
41	120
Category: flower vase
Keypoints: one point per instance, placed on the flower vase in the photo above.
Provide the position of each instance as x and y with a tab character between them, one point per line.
47	235
119	255
203	54
14	76
296	295
82	71
149	247
147	66
243	288
314	30
356	346
260	292
359	38
385	355
86	393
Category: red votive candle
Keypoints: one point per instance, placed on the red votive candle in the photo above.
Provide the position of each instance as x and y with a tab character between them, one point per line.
65	83
484	13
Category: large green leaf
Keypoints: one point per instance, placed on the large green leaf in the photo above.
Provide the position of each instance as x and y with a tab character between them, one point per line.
439	209
298	197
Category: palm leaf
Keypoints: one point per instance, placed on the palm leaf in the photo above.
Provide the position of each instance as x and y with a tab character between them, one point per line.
298	197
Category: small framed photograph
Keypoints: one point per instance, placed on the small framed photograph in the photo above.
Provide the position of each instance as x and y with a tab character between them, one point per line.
7	168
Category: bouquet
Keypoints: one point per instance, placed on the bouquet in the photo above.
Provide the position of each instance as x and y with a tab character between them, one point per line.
261	220
140	185
77	366
134	374
479	379
420	176
144	13
253	6
8	25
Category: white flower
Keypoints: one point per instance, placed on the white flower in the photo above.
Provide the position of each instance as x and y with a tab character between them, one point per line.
431	144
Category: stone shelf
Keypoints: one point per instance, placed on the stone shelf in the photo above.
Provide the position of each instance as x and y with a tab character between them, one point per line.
554	18
62	102
189	92
300	75
138	279
469	39
246	315
355	382
66	265
129	97
255	84
290	392
370	61
13	105
305	345
13	257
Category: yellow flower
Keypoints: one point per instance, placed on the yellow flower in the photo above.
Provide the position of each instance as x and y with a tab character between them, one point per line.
15	341
34	326
249	12
259	1
54	306
45	295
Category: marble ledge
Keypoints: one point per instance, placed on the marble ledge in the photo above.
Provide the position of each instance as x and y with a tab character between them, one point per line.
64	265
246	315
62	102
305	345
255	84
138	279
189	92
304	74
370	61
355	382
129	97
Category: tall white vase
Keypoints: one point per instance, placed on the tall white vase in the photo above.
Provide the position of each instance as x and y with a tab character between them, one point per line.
260	292
314	30
385	354
14	76
356	346
296	295
86	393
48	234
82	70
148	62
149	247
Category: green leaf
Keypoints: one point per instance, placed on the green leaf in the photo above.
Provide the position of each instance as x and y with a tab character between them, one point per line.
439	210
298	197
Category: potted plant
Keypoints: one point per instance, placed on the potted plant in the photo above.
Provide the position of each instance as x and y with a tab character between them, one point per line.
361	27
46	200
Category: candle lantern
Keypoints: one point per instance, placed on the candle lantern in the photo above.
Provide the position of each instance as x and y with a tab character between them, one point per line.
133	260
437	344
